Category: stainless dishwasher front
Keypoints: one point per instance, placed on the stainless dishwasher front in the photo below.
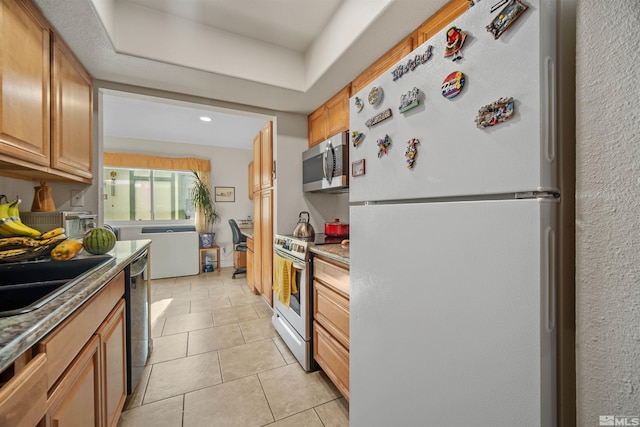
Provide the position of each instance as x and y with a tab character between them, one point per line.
138	301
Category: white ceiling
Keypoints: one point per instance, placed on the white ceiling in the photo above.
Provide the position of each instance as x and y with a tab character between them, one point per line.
279	55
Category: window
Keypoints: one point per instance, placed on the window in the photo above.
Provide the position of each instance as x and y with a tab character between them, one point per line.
147	194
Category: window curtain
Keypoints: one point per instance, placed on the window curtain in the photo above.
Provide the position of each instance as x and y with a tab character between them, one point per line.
145	161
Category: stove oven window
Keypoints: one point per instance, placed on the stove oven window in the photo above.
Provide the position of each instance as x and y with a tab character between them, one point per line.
294	303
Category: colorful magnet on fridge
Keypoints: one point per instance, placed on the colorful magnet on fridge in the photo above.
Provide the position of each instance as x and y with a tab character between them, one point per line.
375	95
356	138
453	84
506	17
383	144
455	40
412	152
378	118
359	104
496	112
412	63
409	100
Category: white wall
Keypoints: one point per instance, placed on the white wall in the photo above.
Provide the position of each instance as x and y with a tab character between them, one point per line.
228	169
607	210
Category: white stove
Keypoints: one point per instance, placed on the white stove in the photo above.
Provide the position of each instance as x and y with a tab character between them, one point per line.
294	322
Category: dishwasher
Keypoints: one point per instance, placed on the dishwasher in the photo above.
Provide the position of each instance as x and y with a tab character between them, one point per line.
138	302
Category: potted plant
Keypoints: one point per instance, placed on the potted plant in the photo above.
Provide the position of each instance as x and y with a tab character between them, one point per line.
206	213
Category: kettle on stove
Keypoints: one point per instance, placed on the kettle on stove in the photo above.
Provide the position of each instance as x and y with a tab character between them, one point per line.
304	228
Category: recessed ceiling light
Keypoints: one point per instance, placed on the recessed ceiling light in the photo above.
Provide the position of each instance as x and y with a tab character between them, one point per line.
205	119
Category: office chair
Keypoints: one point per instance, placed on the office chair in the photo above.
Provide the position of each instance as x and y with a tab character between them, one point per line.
239	249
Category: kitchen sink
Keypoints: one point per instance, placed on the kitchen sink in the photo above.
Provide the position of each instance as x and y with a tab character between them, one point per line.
27	286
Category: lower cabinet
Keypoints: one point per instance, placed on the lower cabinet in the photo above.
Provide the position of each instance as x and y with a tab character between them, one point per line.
331	321
86	361
250	261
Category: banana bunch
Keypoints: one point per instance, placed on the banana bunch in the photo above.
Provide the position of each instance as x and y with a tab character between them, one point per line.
10	224
23	248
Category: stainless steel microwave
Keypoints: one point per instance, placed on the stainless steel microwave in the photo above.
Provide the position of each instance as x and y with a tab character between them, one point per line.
325	167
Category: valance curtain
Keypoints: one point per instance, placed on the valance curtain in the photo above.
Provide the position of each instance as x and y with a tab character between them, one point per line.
145	161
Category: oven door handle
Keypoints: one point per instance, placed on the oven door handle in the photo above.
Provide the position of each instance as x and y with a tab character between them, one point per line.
294	262
298	266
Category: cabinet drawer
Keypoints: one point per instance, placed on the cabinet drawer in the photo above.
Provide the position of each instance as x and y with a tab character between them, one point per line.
332	357
23	399
66	341
331	309
332	275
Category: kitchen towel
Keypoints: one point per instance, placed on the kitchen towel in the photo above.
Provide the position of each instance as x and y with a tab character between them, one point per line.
283	281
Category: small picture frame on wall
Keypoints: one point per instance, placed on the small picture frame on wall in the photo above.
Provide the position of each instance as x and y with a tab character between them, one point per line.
225	194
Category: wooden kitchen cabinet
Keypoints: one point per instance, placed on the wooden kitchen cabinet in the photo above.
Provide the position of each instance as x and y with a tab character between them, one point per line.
383	63
72	108
23	398
266	241
266	156
257	162
86	362
330	118
113	359
250	180
331	320
250	257
76	401
46	105
25	78
439	20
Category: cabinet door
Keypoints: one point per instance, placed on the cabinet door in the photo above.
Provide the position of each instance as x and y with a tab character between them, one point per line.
250	276
317	126
76	399
24	79
394	55
338	112
72	117
23	399
112	335
250	180
266	154
440	19
332	357
257	163
257	243
266	237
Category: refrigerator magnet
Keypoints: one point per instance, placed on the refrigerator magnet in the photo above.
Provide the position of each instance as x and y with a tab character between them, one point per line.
375	95
383	144
453	84
359	104
506	17
357	168
356	138
412	63
378	118
455	39
496	112
412	152
409	100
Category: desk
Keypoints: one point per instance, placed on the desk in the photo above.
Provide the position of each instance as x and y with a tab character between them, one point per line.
204	250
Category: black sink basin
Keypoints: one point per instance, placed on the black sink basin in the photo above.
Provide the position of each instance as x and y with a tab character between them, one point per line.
27	286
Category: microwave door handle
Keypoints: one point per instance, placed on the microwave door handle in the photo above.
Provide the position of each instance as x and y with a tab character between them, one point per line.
328	167
325	155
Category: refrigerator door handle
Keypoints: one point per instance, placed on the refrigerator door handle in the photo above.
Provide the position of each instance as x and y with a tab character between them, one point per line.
550	267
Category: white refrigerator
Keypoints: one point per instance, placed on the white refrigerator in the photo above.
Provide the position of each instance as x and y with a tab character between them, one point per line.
454	262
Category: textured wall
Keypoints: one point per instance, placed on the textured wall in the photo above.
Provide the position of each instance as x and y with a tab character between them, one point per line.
608	210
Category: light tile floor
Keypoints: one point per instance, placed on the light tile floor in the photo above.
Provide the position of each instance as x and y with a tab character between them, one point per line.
217	361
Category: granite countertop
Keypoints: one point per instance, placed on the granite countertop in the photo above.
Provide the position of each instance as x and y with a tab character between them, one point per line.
19	333
247	232
334	251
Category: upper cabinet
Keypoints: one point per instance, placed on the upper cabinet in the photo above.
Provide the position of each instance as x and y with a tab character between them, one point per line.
439	20
331	118
46	104
72	101
25	79
266	154
383	63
